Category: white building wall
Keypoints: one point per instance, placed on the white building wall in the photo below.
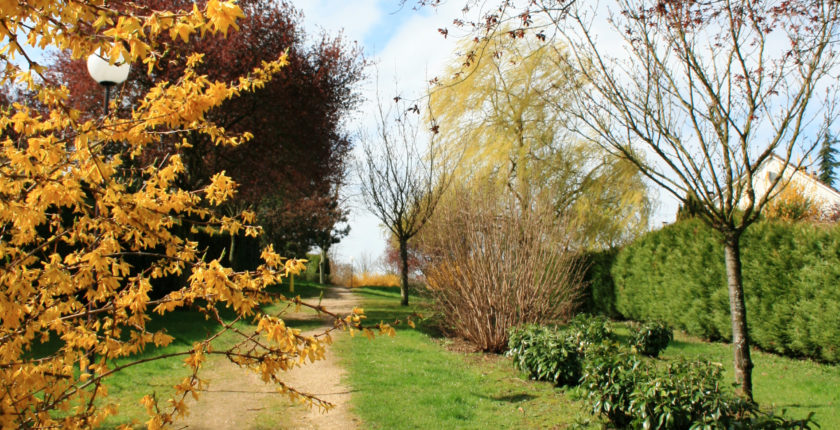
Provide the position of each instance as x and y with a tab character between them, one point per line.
824	196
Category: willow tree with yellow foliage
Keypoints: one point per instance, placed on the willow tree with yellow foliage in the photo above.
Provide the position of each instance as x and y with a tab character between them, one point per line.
70	219
502	109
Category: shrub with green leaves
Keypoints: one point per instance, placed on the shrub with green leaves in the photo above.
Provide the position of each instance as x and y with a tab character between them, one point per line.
651	338
684	395
633	393
547	354
584	330
609	378
556	354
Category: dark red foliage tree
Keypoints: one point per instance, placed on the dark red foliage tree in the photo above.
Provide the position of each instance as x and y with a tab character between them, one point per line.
393	260
291	170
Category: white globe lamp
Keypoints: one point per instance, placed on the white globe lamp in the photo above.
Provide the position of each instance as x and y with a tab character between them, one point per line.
107	74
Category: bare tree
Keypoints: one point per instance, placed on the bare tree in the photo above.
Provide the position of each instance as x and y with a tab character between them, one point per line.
400	183
703	94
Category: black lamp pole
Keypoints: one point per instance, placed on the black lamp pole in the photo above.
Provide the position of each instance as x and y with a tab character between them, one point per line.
107	75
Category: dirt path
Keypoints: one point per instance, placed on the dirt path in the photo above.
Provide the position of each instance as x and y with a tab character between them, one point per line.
237	399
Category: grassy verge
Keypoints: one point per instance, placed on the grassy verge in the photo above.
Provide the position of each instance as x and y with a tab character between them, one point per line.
780	383
128	386
412	381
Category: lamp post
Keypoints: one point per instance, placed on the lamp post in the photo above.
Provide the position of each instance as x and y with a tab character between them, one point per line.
107	74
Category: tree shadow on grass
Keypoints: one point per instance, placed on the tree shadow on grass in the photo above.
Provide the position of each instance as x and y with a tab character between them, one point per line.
509	398
780	406
383	304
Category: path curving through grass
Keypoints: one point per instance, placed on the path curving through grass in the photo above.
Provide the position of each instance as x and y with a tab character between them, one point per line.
238	399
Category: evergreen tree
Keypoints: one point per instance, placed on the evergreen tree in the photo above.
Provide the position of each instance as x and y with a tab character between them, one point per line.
828	159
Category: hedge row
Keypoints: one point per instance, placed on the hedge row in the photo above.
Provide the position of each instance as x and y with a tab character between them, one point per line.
791	276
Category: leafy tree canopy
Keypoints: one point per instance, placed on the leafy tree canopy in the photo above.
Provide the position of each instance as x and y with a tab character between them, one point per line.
291	171
501	112
71	220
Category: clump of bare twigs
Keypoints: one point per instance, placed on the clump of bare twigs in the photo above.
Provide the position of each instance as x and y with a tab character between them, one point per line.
492	263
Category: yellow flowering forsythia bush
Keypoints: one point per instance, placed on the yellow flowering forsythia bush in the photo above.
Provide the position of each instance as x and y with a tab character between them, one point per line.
70	217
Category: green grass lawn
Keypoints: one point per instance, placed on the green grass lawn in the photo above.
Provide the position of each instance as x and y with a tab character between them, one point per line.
413	381
797	386
128	386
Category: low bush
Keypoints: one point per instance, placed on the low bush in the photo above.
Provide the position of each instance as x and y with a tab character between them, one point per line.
684	395
633	393
585	330
609	378
629	390
651	338
547	354
556	354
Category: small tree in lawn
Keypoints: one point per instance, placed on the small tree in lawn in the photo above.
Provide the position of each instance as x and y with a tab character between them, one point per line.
400	184
702	95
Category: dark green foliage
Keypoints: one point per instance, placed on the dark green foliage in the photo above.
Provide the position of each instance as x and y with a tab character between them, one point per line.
609	378
651	338
685	395
791	274
547	354
584	330
828	159
599	293
556	354
633	393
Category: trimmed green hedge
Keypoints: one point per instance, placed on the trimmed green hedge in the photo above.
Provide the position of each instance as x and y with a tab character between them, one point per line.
599	296
791	278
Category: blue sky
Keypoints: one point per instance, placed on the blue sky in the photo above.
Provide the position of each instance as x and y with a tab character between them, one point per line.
407	50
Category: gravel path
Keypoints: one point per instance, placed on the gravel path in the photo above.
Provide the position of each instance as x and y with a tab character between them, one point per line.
237	399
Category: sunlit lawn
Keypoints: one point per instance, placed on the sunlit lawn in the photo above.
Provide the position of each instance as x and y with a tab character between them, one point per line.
413	381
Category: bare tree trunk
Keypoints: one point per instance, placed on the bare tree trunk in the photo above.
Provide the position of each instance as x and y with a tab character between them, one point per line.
738	310
404	271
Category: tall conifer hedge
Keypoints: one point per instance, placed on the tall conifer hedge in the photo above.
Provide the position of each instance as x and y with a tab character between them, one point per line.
676	274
